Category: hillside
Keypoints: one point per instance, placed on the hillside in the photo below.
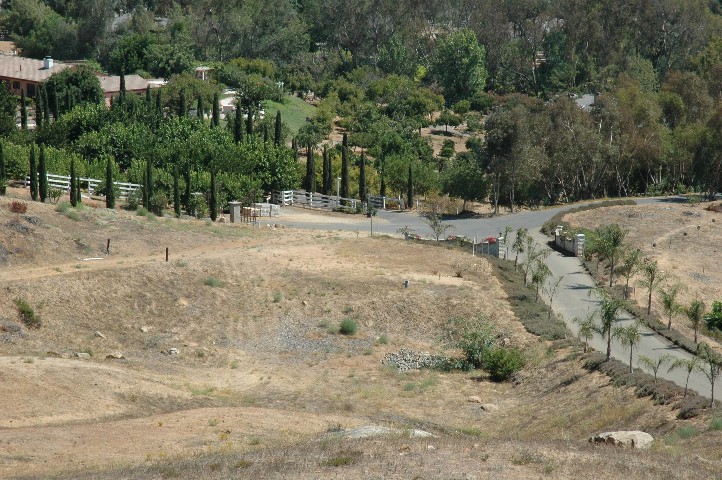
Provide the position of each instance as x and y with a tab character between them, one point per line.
260	379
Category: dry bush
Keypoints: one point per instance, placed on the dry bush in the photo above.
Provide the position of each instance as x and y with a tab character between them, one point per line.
18	207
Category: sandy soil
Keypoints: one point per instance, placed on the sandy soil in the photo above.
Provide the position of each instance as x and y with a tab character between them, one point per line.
259	368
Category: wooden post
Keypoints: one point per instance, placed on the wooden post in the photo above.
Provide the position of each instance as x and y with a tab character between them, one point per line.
166	254
107	248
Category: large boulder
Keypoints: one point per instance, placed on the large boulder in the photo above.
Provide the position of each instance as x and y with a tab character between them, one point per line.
634	439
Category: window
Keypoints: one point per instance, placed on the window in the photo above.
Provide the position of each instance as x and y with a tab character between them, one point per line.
16	85
30	90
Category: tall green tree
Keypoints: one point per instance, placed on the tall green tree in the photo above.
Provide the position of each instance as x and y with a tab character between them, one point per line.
182	103
216	111
33	174
327	176
278	133
73	180
109	185
39	108
459	65
711	366
42	175
410	189
689	365
187	192
344	166
23	111
310	181
238	124
213	203
149	180
176	192
362	178
465	179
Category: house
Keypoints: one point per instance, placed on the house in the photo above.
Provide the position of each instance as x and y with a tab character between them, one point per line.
203	73
111	85
26	74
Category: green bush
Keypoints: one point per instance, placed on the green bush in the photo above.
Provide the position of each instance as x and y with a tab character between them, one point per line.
715	423
348	326
27	314
501	362
714	318
473	337
212	282
134	199
157	203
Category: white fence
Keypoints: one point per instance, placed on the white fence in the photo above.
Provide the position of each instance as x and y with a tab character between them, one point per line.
312	200
63	183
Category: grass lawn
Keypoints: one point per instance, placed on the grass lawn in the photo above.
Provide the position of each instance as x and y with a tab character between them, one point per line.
293	112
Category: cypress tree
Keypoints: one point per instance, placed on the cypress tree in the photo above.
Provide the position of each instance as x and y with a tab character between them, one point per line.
294	147
410	189
326	174
42	175
73	201
176	192
278	133
238	125
310	170
23	111
46	109
3	174
122	87
33	175
148	97
362	178
182	103
199	108
344	166
39	108
383	178
159	102
216	111
109	190
249	122
213	204
149	176
265	133
187	195
78	196
144	191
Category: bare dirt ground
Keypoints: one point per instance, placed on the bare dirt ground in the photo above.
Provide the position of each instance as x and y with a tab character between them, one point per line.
686	241
260	377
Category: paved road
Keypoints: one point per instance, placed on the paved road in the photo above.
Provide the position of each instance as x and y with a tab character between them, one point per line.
573	298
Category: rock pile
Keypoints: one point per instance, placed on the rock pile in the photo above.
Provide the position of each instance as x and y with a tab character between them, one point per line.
405	360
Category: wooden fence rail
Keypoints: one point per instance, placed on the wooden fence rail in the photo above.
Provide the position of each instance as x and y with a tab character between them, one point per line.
63	182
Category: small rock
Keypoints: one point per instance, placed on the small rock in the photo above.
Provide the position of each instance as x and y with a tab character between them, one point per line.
221	219
473	399
82	355
490	407
633	439
173	351
144	329
99	335
304	303
430	447
115	356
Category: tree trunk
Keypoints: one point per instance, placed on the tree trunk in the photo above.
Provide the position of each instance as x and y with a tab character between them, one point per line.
609	344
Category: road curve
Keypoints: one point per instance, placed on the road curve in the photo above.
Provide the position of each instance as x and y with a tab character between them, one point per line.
574	297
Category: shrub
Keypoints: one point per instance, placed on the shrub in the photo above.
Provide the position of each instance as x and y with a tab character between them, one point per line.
714	318
134	199
277	297
213	282
502	362
473	338
198	206
18	207
54	195
157	203
715	423
27	314
141	212
348	326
